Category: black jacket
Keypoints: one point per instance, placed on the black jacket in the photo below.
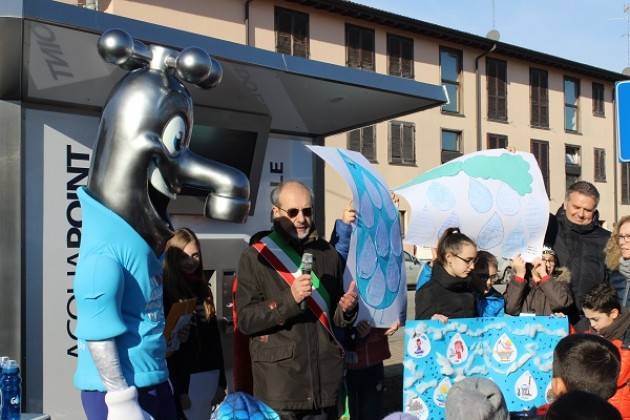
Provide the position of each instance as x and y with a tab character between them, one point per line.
446	295
201	353
296	364
581	250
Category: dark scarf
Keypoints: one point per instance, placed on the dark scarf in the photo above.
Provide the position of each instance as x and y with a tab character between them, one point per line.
456	284
562	218
618	329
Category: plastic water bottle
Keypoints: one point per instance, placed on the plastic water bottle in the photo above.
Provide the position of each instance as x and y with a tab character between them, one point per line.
3	360
11	391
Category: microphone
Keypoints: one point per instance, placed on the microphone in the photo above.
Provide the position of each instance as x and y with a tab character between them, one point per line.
307	267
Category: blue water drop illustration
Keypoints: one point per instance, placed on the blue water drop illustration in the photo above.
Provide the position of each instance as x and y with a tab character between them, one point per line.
366	211
491	234
366	256
440	196
479	196
382	238
393	275
372	191
508	200
515	243
396	238
451	221
376	289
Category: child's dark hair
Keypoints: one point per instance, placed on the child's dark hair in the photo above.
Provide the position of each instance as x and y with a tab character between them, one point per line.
602	298
580	405
485	260
480	274
451	241
587	362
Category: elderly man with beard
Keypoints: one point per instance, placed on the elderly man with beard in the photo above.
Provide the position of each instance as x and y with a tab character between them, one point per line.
579	241
297	364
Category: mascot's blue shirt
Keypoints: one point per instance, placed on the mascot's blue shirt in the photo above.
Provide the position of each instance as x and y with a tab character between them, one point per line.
118	291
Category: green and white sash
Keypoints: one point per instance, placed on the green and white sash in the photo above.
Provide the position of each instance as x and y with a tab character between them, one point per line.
287	263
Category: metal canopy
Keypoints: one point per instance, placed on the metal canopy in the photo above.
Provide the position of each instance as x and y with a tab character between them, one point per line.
302	97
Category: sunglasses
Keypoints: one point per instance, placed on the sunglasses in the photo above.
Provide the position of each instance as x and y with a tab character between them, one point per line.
292	213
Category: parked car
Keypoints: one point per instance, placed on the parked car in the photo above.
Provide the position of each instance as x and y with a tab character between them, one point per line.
413	266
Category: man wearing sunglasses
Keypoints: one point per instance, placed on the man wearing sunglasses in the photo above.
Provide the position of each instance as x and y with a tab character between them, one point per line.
297	364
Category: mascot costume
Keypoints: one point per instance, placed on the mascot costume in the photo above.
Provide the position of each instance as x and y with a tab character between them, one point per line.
140	162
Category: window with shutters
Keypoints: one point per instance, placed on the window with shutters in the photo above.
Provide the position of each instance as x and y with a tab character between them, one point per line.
571	101
539	98
600	165
363	140
292	34
450	71
400	56
625	183
540	150
402	143
598	99
359	47
572	164
497	141
451	145
496	75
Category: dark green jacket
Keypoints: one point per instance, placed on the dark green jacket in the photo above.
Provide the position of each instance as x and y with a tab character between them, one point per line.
296	365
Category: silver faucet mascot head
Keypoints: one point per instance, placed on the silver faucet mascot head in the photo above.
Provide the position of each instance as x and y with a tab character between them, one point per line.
142	159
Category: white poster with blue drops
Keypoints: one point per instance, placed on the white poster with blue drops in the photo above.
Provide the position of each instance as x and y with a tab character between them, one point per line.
496	197
515	352
375	260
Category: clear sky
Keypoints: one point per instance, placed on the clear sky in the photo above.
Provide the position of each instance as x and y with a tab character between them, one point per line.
587	31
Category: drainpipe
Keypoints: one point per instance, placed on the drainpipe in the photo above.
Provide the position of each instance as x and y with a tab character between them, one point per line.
478	76
247	40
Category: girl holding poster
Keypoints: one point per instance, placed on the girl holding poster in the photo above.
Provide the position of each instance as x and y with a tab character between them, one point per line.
449	293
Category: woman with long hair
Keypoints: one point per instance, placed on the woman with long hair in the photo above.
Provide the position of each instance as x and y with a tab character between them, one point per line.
449	293
618	260
196	367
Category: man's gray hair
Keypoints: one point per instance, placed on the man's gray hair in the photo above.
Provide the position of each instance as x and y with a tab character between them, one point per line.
583	187
275	193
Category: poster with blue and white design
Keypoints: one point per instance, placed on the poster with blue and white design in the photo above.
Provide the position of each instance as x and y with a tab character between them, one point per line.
375	258
515	352
496	197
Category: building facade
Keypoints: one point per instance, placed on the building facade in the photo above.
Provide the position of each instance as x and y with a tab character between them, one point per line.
500	95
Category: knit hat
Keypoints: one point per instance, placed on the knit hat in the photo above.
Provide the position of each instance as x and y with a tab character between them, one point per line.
475	399
548	250
400	416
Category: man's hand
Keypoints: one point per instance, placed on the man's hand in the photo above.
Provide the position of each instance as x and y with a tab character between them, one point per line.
349	214
393	328
302	288
518	266
349	300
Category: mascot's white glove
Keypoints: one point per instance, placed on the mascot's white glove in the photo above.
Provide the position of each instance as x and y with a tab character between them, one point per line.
123	405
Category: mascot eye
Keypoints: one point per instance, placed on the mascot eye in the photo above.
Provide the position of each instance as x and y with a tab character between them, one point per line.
173	134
